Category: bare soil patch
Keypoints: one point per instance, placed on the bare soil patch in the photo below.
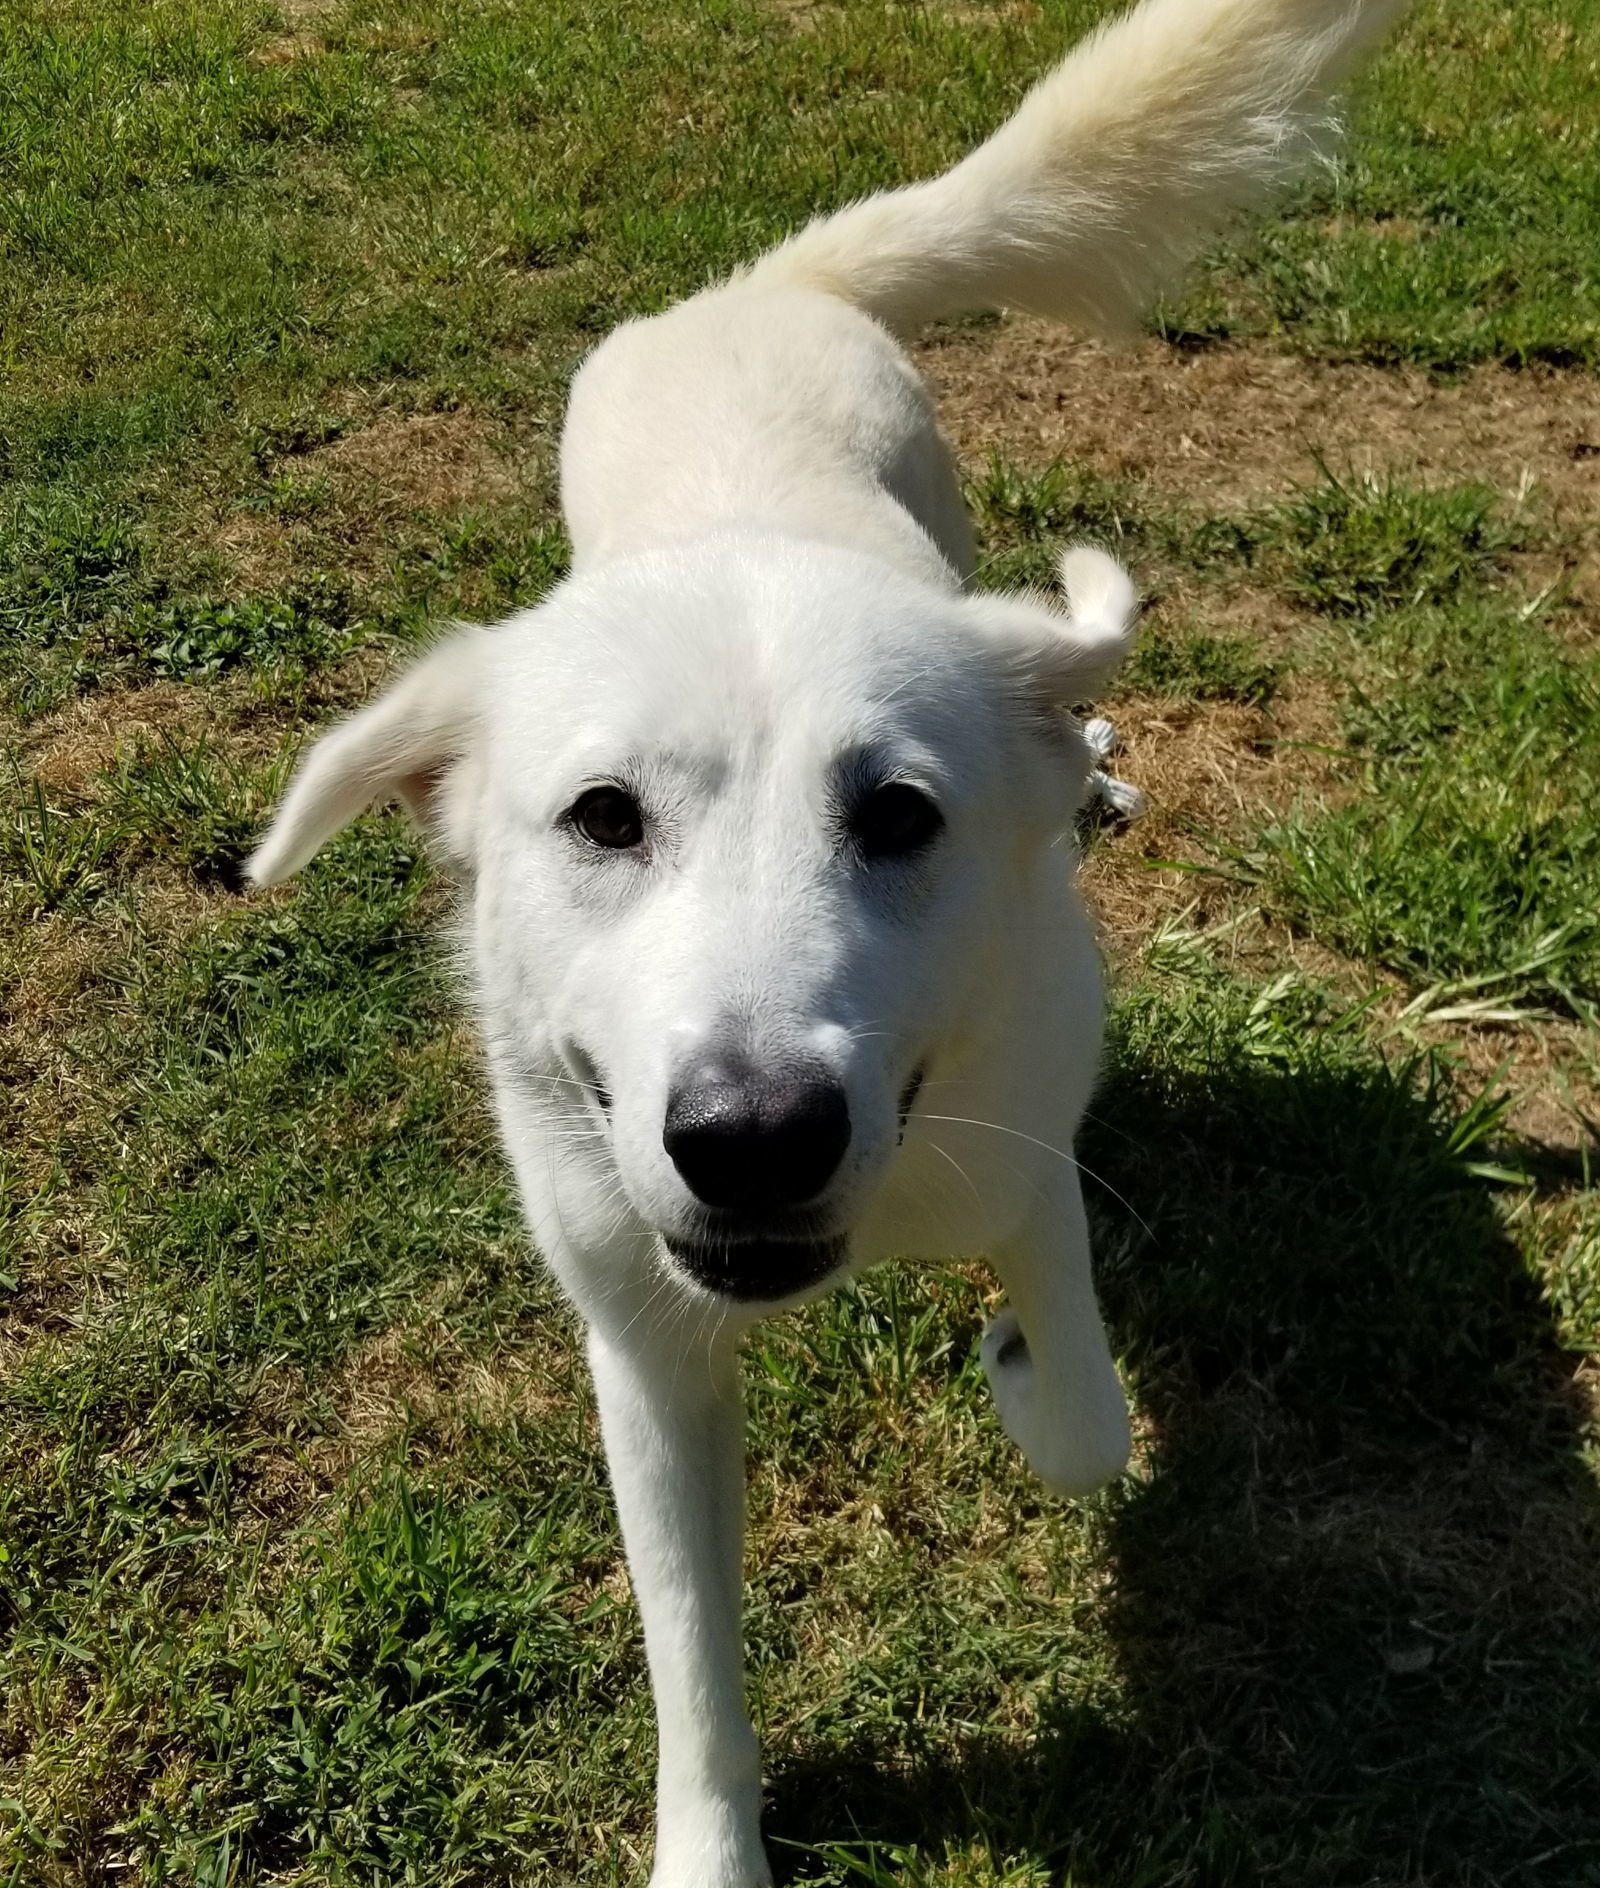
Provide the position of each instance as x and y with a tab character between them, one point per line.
1548	1066
84	736
346	503
427	461
1204	768
1227	426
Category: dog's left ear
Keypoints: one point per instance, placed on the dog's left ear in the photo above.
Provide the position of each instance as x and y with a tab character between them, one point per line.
400	747
1068	656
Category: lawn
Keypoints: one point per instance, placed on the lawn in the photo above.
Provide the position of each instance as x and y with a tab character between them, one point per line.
307	1568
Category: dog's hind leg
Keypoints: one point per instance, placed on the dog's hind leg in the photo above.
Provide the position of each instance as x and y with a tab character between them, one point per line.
1046	1355
672	1418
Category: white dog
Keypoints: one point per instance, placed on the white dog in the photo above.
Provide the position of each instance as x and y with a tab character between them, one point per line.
764	822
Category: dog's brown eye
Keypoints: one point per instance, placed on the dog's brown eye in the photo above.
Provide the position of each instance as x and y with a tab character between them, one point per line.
893	820
610	818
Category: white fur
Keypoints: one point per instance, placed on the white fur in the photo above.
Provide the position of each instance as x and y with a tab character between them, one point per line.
770	559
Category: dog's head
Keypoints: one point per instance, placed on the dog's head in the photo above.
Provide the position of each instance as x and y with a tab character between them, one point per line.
744	828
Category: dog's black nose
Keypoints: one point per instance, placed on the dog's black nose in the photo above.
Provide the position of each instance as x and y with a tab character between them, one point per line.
753	1143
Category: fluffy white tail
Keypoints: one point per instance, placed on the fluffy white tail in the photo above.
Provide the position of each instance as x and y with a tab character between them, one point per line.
1116	169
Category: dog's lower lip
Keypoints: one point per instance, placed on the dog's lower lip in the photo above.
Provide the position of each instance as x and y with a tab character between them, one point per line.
757	1270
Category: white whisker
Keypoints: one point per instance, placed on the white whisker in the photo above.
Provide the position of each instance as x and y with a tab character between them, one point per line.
947	1155
997	1127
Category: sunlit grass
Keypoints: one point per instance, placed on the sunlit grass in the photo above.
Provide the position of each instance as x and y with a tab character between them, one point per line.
307	1567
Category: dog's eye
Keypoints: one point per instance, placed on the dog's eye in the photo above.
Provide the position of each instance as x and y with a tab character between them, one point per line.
893	820
609	817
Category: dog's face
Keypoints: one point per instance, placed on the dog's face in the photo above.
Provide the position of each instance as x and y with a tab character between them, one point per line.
739	831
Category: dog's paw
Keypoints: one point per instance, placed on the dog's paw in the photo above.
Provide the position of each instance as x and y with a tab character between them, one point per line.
1076	1440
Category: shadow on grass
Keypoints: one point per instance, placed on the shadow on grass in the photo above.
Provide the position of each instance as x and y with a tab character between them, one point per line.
1356	1603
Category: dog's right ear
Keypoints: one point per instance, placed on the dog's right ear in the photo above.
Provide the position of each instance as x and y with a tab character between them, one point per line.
401	747
1065	657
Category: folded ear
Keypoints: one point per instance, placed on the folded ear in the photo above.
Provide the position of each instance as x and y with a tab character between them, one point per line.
398	748
1068	656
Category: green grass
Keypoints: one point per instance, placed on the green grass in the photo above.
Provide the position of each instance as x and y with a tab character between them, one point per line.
307	1569
1462	852
1199	665
1458	847
216	257
1462	227
1352	546
221	1660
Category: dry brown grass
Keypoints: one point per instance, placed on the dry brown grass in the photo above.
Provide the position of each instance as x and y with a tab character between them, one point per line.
1218	767
415	1376
414	1389
83	737
1226	426
289	47
1230	428
353	501
1201	765
425	461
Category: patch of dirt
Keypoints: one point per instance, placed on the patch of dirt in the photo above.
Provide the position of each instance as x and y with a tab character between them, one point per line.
1548	1066
1227	426
1210	766
84	736
340	504
427	462
1205	765
287	49
413	1380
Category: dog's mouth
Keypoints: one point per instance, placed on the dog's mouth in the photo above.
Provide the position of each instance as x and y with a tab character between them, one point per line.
908	1097
589	1077
759	1269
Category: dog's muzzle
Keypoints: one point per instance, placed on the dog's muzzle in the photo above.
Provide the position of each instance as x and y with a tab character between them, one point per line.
757	1149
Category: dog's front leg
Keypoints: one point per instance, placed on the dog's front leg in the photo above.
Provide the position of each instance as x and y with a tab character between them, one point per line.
672	1417
1046	1355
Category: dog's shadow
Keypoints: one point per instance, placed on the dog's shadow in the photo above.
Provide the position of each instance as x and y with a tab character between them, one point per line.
1355	1607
